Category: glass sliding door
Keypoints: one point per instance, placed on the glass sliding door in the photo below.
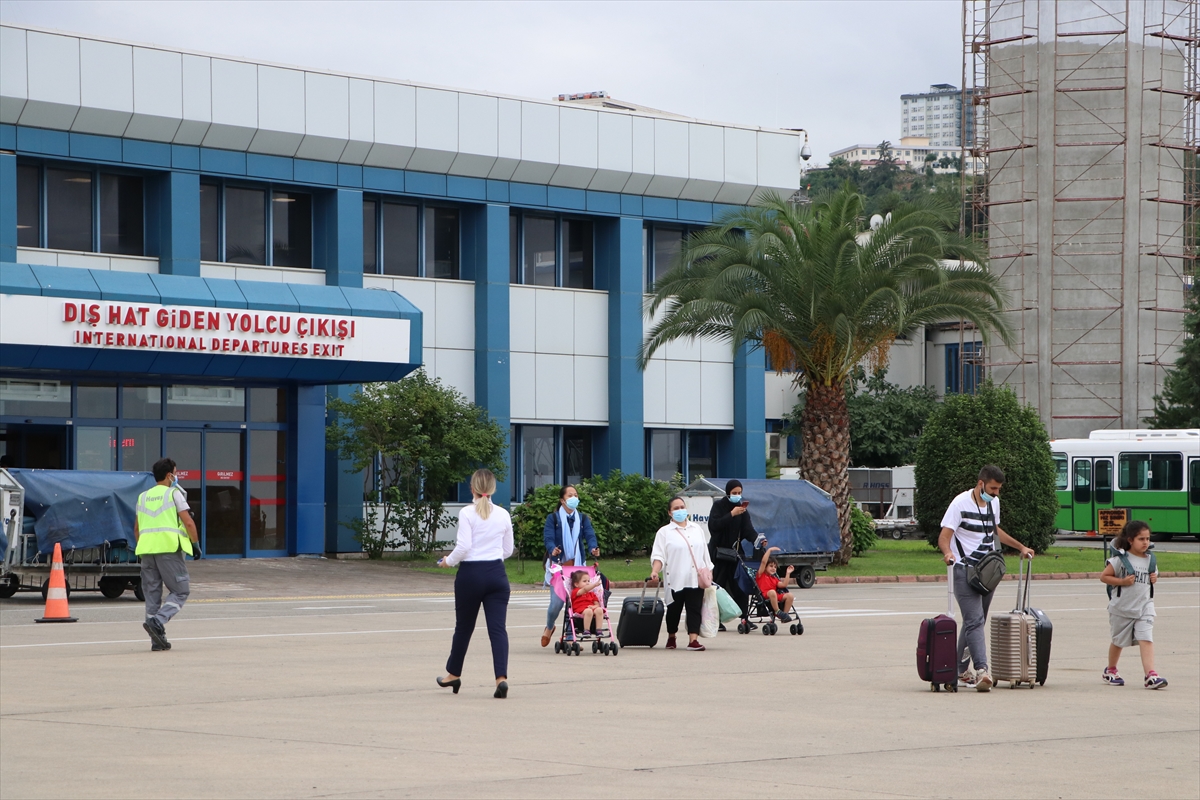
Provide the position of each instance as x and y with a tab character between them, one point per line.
224	493
184	448
268	490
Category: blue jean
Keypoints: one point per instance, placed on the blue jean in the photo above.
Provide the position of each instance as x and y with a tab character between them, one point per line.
554	610
480	583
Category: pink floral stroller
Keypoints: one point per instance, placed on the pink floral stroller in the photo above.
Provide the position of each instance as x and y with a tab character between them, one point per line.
573	636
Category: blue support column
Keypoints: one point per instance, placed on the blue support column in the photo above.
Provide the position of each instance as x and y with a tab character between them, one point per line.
743	453
486	242
309	469
8	207
342	489
173	223
619	269
338	237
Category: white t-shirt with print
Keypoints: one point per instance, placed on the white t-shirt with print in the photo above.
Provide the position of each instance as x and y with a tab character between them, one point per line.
974	526
1134	602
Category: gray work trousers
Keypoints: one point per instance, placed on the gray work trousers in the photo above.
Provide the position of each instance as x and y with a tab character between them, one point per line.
164	569
974	610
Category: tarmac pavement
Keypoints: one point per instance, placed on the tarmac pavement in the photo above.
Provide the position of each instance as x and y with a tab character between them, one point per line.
314	678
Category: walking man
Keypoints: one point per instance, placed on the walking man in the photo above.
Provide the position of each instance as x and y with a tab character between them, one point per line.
164	532
969	530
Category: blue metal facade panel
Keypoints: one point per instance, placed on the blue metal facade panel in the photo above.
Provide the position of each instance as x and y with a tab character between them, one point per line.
185	157
95	148
526	194
383	180
276	168
127	361
8	137
660	207
127	287
66	282
8	207
571	199
319	299
350	175
152	154
227	294
227	162
323	172
466	188
425	183
370	302
631	205
694	211
18	279
39	140
603	202
269	296
497	191
182	290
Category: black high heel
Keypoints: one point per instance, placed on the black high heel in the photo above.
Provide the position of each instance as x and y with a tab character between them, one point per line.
455	684
501	690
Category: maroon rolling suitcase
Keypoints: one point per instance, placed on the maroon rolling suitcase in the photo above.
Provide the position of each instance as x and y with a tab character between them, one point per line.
937	645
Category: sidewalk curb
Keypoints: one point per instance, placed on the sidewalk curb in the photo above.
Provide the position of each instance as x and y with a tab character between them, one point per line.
842	579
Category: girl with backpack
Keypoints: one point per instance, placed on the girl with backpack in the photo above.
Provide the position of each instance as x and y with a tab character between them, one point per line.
1130	576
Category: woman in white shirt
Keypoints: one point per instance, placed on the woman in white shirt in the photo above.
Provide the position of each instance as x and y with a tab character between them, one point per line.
485	539
680	547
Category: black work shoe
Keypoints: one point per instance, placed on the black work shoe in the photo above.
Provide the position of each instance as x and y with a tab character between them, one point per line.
156	647
158	635
721	626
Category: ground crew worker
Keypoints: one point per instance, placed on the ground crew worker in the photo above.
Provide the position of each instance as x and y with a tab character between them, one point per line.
164	531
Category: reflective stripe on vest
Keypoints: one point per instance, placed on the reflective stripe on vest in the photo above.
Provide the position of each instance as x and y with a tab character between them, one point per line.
159	528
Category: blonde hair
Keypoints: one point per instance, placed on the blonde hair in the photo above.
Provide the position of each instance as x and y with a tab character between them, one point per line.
483	483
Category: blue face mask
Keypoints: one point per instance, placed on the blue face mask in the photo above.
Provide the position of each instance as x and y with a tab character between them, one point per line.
572	503
987	498
679	515
736	499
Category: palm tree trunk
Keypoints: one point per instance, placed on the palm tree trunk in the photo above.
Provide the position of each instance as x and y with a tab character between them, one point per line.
825	453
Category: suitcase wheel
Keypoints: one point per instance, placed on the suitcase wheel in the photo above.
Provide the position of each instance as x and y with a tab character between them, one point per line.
933	687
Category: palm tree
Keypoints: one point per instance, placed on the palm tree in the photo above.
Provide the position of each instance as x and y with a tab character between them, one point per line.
821	292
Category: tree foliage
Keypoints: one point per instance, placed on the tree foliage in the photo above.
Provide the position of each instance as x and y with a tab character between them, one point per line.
990	427
422	438
821	293
886	421
1179	404
862	527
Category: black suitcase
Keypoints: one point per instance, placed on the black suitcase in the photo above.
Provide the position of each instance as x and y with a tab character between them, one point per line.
1043	632
937	645
641	620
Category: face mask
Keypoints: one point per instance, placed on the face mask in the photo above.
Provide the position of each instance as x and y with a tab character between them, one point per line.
572	503
679	515
174	480
985	497
736	499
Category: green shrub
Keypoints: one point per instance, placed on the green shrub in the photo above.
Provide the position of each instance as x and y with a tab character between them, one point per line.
862	528
990	427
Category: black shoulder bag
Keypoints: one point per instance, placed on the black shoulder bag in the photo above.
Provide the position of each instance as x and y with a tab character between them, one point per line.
985	575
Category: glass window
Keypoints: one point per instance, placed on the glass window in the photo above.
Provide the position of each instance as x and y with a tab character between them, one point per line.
29	205
666	455
268	404
30	398
441	243
514	251
537	457
224	492
210	222
96	402
540	255
400	240
96	448
268	490
1083	481
141	402
702	455
216	403
121	220
140	448
577	239
667	244
1103	478
1195	479
1061	479
291	227
1151	471
68	209
577	454
245	226
370	243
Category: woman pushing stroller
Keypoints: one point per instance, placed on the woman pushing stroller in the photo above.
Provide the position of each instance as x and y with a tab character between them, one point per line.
568	536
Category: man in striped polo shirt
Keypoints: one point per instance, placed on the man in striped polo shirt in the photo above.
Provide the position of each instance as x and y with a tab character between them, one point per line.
969	530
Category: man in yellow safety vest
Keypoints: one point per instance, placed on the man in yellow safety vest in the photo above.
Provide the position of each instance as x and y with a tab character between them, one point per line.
164	532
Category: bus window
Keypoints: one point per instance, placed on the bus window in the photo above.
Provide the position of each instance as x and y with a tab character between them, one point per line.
1083	481
1196	482
1162	472
1062	480
1104	482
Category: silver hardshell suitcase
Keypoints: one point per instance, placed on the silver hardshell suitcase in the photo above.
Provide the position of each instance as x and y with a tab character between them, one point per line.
1013	646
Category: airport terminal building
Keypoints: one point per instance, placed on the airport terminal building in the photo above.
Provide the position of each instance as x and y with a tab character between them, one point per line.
196	251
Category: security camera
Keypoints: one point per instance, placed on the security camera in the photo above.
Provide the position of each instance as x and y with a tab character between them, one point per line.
806	152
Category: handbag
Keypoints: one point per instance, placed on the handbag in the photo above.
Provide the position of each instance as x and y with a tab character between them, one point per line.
726	606
984	575
710	614
703	574
727	554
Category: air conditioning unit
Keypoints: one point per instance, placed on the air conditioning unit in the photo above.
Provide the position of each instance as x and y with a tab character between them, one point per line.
777	449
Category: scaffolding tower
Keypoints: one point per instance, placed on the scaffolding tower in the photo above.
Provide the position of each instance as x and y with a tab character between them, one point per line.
1086	116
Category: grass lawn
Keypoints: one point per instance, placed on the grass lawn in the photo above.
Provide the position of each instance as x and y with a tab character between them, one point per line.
888	557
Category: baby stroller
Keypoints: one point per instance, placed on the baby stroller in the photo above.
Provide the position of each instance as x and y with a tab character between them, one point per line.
758	607
573	636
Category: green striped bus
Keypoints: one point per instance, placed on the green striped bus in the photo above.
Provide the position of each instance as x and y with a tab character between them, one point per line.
1155	474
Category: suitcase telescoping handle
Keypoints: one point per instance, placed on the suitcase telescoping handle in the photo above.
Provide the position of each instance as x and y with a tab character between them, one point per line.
642	603
1024	577
949	590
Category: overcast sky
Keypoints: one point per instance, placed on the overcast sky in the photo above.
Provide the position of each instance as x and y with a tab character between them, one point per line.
835	68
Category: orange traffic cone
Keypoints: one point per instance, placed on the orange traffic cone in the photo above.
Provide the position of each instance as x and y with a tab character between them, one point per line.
56	592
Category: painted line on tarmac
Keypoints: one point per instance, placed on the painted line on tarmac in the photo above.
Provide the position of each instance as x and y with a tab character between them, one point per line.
303	598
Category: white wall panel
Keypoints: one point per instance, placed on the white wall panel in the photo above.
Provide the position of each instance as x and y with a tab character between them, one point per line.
234	105
683	393
670	158
522	319
778	160
422	294
157	95
706	156
455	312
555	389
591	389
197	100
14	77
781	395
478	121
280	111
642	155
715	350
555	321
539	143
437	130
522	385
716	394
614	157
508	140
52	81
741	166
591	323
654	392
326	116
577	147
361	123
105	88
395	125
457	368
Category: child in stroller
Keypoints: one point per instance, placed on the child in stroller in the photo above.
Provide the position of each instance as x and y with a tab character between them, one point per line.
765	600
774	588
585	616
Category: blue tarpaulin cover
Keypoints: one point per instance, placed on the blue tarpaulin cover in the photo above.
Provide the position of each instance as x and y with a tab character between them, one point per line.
795	516
78	508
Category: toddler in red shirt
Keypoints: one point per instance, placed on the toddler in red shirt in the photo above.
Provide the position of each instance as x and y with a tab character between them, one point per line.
585	601
773	587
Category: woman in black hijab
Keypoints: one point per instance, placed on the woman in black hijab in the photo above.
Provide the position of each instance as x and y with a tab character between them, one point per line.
728	526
